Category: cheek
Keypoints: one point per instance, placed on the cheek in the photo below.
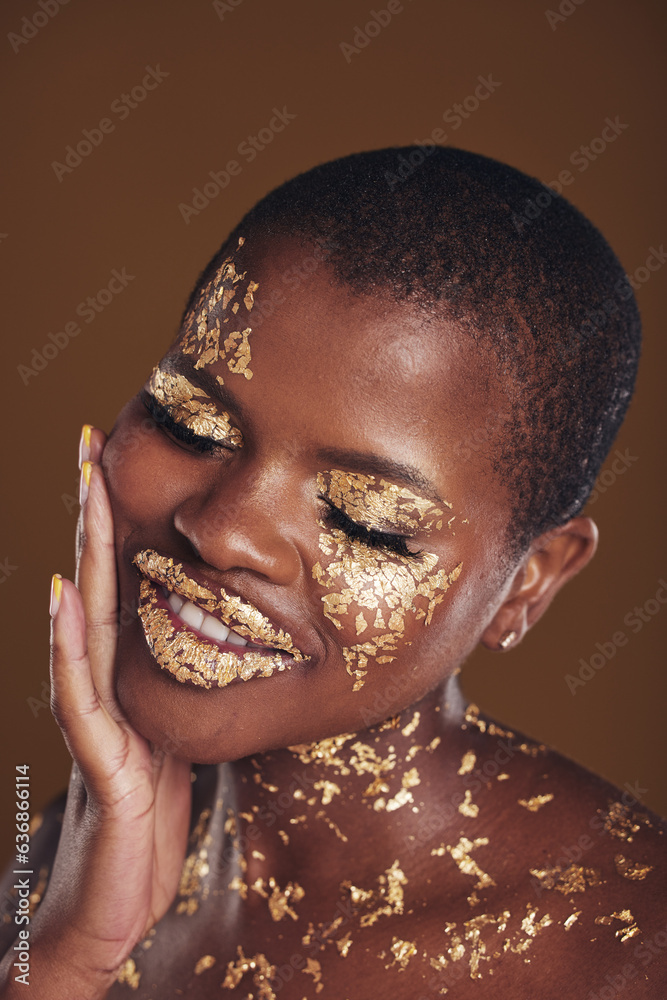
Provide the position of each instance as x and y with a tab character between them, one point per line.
143	476
377	601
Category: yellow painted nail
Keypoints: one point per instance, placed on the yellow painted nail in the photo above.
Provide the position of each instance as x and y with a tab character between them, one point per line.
84	444
86	470
56	591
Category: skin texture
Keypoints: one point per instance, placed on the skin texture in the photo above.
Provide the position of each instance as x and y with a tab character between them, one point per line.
398	859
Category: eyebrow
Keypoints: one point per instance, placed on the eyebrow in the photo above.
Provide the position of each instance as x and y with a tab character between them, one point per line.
369	463
179	364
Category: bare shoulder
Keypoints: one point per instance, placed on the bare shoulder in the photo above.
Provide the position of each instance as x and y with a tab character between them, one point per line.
22	886
554	878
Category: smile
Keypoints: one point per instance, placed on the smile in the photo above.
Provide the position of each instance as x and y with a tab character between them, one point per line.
204	638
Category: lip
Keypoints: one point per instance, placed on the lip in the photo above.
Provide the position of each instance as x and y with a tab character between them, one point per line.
193	658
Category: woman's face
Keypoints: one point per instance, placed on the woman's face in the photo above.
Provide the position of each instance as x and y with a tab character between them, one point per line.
298	469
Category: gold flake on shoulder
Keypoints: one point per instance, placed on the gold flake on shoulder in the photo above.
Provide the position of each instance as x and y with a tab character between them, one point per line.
279	899
204	963
314	969
571	920
621	822
402	951
460	854
409	729
468	762
344	944
574	878
633	870
468	807
385	901
536	802
625	917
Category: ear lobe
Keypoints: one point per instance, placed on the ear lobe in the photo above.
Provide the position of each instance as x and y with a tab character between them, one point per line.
553	559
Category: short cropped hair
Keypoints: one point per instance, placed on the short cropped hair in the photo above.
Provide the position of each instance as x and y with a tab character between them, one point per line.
532	281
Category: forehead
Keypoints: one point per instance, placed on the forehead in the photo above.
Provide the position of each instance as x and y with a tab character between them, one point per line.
348	371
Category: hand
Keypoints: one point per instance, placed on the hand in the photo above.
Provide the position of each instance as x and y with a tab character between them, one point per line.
126	822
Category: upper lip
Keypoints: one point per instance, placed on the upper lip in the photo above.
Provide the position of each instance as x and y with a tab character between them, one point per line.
237	613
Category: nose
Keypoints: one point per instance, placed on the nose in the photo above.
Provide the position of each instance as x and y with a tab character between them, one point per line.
239	525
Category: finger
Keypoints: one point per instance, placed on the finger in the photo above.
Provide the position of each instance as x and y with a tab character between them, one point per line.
96	581
97	744
91	444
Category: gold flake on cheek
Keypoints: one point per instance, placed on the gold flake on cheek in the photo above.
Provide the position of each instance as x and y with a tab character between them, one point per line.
625	916
461	856
188	405
535	802
371	579
631	869
203	335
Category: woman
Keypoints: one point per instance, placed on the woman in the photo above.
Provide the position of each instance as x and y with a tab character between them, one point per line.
292	504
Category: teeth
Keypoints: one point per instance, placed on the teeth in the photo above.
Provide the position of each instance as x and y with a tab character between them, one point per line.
214	629
175	602
206	624
191	615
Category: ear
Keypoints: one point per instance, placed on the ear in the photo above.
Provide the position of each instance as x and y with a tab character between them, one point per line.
551	561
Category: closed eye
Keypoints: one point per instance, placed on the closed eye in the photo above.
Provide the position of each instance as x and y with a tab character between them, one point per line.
334	517
181	432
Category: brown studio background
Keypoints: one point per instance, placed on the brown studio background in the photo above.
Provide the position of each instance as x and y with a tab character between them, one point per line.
227	70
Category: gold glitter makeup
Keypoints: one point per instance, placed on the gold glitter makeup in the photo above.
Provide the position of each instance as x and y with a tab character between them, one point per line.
460	854
402	951
185	655
188	405
535	802
206	338
625	916
621	822
468	807
278	899
383	585
258	966
204	963
631	869
574	878
468	762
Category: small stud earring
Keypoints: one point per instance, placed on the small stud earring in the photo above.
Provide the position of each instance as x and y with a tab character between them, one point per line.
507	639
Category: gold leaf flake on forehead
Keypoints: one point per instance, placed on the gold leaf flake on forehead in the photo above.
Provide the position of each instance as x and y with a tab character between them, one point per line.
378	504
369	578
204	335
183	401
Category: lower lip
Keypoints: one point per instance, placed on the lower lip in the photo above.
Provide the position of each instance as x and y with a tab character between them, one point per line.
192	658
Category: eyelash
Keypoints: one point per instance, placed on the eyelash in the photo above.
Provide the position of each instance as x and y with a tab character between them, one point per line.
163	418
334	517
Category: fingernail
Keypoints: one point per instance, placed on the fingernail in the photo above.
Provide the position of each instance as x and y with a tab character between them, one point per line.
56	591
84	444
84	482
